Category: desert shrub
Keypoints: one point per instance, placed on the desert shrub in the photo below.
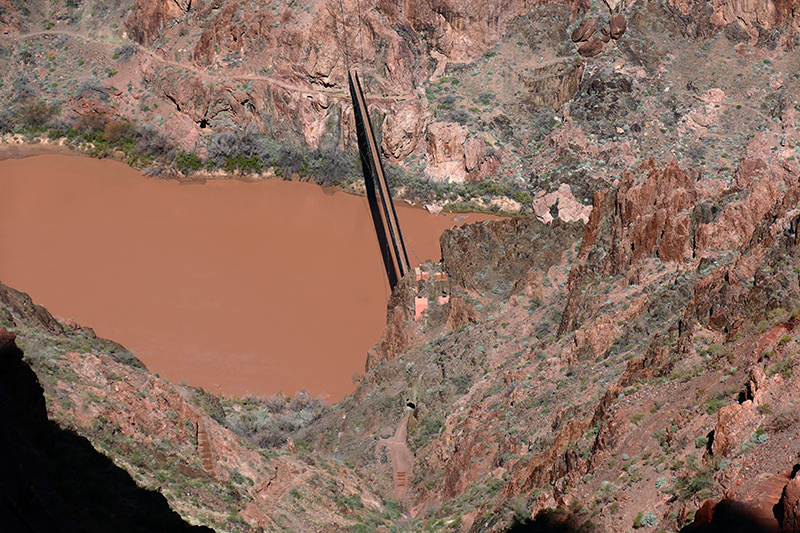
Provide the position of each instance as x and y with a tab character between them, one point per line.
161	171
125	52
269	422
91	88
460	116
153	143
428	427
648	519
715	404
697	483
332	167
35	113
781	421
90	127
7	121
784	368
244	144
462	383
59	127
24	88
275	404
25	55
244	164
287	158
306	402
542	124
118	131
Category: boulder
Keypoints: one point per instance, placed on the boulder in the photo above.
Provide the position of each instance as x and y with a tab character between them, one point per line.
735	424
446	160
446	142
591	48
474	153
617	25
584	31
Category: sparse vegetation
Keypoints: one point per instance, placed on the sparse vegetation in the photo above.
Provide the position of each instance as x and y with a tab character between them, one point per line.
269	422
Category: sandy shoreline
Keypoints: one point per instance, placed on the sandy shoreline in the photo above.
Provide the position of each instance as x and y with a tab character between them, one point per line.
16	147
12	148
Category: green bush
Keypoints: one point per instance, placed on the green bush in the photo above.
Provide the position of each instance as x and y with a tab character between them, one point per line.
645	520
188	162
246	165
714	405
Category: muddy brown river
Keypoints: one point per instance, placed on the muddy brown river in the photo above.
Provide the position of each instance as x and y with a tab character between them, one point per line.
241	288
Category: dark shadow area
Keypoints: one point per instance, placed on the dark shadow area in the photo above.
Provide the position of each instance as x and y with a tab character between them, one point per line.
731	516
53	480
552	521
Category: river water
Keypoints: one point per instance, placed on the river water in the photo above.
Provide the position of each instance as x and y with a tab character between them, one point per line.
241	288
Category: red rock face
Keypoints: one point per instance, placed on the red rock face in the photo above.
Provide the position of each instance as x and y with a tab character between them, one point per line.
790	501
650	216
297	50
750	15
394	341
148	16
6	338
9	18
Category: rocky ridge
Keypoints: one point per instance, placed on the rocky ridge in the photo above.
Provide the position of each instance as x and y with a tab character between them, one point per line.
499	98
622	359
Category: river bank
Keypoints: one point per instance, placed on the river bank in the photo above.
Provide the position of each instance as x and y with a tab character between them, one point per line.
434	196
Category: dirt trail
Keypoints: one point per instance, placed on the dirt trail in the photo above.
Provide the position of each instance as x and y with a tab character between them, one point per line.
400	455
204	447
331	93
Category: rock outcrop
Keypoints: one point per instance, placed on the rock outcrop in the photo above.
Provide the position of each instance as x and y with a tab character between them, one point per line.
147	17
551	85
790	504
560	204
507	251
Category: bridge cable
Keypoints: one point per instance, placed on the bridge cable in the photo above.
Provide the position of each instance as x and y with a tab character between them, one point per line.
361	31
415	254
346	42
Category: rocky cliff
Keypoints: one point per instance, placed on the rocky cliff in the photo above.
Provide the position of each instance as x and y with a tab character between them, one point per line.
459	96
124	448
622	358
625	378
